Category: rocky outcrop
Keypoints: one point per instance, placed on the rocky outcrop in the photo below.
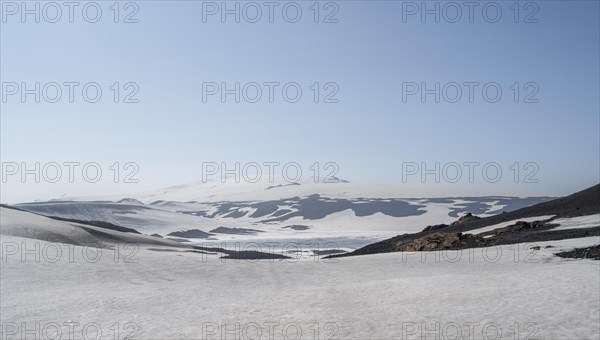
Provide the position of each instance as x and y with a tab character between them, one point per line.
442	241
454	236
435	227
582	253
465	219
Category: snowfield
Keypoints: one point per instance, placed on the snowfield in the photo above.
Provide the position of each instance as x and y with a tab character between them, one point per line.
507	223
588	221
577	222
162	292
168	295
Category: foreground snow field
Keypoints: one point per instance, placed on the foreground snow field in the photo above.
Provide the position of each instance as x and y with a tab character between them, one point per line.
505	292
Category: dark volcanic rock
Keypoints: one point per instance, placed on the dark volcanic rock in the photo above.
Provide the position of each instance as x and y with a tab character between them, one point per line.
582	253
442	241
464	219
435	227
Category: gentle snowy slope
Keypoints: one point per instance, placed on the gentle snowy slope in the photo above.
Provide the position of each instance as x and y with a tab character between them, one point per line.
150	288
23	224
145	219
40	229
166	295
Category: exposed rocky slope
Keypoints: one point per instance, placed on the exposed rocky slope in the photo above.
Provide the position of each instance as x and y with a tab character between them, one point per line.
456	236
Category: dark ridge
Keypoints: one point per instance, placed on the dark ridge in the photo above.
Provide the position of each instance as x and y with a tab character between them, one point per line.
585	202
103	236
241	255
435	227
466	219
549	235
99	224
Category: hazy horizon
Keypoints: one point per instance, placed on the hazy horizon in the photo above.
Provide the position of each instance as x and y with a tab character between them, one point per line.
365	58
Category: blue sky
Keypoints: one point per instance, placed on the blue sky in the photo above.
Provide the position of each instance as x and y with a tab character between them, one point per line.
369	53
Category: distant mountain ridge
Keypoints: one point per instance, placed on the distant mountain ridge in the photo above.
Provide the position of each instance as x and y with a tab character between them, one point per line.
332	210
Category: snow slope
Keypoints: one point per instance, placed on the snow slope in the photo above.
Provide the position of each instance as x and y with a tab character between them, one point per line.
588	221
145	219
158	291
577	222
507	223
23	224
171	295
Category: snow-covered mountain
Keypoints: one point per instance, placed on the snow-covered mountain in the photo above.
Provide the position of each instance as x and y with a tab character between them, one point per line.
352	214
217	190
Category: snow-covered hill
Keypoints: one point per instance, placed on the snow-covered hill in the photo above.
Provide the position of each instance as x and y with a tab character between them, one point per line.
163	294
348	213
